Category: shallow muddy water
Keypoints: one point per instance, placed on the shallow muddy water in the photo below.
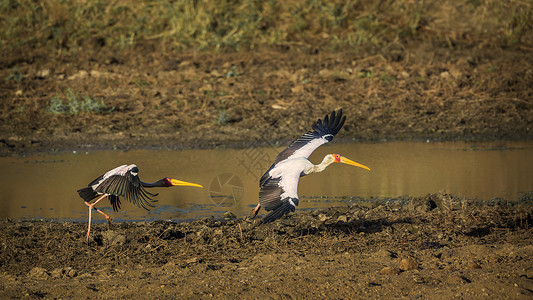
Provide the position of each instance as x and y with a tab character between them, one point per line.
44	185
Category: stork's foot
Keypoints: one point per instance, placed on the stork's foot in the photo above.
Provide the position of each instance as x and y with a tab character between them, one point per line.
255	211
107	218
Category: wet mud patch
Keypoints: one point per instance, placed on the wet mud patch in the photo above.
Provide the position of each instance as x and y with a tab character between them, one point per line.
462	249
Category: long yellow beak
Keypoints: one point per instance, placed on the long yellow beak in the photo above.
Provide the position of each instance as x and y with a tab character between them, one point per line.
347	161
183	183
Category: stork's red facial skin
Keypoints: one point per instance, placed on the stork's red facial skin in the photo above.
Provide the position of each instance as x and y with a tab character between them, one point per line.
337	157
168	183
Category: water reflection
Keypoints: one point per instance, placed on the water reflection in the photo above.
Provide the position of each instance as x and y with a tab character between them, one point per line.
44	185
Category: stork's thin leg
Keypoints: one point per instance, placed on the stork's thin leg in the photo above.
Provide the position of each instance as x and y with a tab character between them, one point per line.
255	211
97	200
108	219
91	206
89	228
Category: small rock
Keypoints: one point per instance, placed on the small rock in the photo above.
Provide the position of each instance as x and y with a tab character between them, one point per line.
15	138
323	218
408	263
57	273
206	88
325	73
80	75
63	272
185	63
404	74
70	272
192	260
342	219
38	273
389	271
229	215
473	265
43	73
216	73
95	73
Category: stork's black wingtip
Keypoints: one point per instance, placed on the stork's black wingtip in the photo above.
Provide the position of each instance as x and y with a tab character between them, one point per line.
333	113
330	124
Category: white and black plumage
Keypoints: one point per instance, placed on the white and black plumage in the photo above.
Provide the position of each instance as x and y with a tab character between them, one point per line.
279	185
124	181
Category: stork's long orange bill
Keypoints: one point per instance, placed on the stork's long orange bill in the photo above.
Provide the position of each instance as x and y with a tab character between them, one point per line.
347	161
183	183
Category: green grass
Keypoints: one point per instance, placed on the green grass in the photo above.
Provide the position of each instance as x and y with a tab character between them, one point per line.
71	26
74	105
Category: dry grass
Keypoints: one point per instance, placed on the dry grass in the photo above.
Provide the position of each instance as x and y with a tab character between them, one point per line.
73	26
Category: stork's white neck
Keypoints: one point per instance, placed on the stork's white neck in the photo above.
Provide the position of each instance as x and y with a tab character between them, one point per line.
328	160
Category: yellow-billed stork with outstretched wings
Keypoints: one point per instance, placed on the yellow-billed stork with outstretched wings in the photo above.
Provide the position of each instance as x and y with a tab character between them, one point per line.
279	185
123	181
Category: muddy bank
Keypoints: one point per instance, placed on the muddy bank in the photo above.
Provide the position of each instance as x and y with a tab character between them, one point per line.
437	245
176	100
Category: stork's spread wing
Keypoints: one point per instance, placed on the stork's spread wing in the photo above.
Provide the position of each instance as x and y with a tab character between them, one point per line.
123	181
270	194
279	196
322	133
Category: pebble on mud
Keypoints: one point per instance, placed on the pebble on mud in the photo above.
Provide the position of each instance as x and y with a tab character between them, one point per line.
342	219
192	260
408	263
473	265
80	75
229	215
323	217
43	73
38	273
63	272
389	271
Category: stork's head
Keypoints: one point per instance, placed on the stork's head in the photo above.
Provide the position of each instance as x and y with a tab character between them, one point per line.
341	159
174	182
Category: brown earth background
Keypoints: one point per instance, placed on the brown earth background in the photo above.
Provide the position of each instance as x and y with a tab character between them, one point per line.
250	71
130	74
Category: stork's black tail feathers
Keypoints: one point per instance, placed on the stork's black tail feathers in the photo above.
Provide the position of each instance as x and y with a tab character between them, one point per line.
87	194
285	208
